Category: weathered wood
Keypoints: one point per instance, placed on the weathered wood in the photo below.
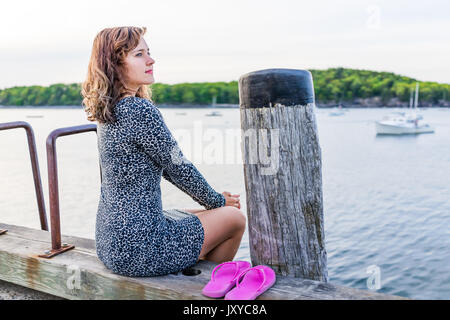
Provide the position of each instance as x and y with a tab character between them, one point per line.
282	170
79	274
11	291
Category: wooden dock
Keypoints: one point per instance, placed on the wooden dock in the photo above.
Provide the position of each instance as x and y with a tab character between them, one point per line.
79	274
284	209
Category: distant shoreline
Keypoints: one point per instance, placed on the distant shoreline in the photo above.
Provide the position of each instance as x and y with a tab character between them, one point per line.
353	88
199	107
164	106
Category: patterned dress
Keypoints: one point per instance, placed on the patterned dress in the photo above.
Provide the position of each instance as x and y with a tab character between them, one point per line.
134	236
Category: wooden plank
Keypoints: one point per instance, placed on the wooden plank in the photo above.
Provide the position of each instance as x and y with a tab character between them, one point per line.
11	291
79	274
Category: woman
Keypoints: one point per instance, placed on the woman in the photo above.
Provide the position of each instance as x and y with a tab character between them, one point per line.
134	236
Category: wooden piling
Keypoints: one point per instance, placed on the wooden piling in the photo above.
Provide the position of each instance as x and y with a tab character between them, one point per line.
282	170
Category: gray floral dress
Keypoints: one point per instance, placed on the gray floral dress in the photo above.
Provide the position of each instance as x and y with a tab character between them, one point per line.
134	235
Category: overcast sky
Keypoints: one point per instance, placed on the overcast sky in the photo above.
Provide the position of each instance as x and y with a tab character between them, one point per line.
45	42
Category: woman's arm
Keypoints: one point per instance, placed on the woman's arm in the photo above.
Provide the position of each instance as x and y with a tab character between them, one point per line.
157	141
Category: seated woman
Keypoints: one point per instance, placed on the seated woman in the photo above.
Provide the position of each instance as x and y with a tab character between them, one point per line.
134	235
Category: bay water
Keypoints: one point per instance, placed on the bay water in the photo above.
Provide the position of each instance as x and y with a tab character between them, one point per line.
386	198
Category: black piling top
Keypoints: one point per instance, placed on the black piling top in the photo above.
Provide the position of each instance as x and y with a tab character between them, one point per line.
263	88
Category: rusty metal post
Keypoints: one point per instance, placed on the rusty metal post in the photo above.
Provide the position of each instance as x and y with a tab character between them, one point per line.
55	226
34	167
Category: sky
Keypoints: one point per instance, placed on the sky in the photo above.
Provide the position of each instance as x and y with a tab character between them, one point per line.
46	42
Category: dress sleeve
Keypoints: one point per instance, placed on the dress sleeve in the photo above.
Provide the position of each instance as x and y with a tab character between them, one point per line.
158	143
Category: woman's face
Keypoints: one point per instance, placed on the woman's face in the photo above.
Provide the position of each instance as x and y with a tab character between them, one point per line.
139	67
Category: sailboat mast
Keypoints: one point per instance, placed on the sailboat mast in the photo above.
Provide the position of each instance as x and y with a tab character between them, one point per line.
416	100
410	99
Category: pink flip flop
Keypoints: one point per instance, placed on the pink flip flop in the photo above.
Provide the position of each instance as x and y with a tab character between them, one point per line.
255	281
223	278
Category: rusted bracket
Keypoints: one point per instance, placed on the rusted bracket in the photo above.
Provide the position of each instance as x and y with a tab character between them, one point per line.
34	167
53	252
53	187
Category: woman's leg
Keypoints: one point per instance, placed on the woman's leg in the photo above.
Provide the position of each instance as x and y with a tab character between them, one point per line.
223	228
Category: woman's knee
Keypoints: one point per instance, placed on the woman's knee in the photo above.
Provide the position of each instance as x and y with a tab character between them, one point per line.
237	216
223	222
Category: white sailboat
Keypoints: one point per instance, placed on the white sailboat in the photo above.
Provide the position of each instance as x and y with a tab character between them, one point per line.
404	123
214	114
337	111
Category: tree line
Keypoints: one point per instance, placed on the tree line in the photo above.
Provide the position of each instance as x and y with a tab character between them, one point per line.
330	85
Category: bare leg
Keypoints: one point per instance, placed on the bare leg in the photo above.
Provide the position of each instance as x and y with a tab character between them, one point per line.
226	250
223	228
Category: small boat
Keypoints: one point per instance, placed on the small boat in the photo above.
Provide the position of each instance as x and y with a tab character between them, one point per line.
410	122
214	114
337	112
180	113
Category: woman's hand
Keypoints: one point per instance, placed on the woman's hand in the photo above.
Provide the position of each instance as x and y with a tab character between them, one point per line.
231	199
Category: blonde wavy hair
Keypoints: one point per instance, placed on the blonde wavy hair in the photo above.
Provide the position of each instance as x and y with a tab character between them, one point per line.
104	85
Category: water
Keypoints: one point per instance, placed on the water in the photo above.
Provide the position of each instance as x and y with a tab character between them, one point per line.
386	199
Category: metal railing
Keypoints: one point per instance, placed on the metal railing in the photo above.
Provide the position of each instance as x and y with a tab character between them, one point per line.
55	226
34	167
